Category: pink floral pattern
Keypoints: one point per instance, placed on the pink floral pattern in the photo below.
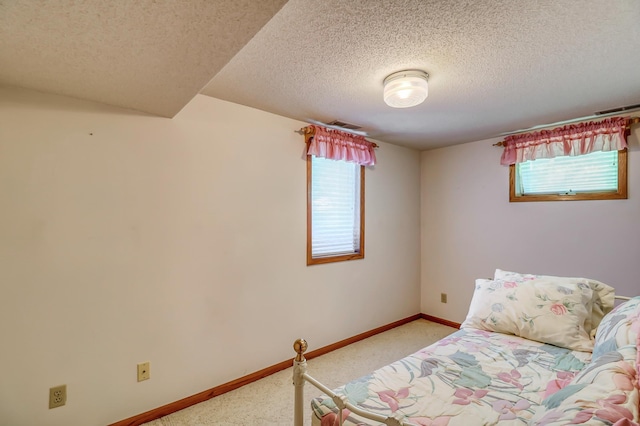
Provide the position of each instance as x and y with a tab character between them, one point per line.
618	328
508	410
331	419
610	411
477	377
563	378
604	393
603	294
558	309
392	398
426	421
481	377
467	396
511	377
538	309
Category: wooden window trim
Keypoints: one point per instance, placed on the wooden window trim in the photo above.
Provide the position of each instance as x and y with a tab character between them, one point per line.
621	193
340	258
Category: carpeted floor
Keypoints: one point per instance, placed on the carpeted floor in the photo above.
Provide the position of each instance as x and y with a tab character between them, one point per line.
269	401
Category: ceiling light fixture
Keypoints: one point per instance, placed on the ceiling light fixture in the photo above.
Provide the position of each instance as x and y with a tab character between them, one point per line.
405	89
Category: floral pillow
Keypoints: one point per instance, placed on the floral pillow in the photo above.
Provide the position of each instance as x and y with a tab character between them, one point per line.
604	393
538	309
603	295
638	359
618	328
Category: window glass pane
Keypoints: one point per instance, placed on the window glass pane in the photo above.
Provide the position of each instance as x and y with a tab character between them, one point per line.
595	172
335	207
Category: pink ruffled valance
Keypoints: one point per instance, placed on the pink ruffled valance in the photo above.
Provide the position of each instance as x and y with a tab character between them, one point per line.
338	145
574	139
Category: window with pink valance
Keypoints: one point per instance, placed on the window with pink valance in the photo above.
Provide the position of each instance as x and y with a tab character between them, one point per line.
338	145
571	140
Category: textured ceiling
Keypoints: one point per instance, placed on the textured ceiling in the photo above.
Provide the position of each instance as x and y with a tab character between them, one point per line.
495	65
148	55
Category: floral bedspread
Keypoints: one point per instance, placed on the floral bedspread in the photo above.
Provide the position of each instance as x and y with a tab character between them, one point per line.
472	377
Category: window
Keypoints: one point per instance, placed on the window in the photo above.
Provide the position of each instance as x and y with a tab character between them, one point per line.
335	210
582	161
600	175
335	193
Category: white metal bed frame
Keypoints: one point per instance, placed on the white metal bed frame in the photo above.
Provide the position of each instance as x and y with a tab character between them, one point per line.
300	376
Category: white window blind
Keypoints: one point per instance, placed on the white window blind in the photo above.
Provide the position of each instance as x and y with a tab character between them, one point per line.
335	204
594	172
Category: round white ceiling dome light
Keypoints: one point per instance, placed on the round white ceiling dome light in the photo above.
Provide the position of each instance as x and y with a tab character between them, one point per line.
404	89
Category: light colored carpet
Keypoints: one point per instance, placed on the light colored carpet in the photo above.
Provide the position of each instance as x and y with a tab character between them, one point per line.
269	401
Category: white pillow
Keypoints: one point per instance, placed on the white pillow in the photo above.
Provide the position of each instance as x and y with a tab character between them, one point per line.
603	294
538	309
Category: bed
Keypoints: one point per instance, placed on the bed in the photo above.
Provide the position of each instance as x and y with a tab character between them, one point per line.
533	349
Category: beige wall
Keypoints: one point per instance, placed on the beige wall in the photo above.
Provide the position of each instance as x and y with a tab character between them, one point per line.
469	229
127	238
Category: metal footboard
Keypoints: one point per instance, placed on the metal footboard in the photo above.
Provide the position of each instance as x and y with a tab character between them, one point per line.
300	377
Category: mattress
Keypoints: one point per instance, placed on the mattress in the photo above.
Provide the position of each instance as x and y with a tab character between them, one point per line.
471	377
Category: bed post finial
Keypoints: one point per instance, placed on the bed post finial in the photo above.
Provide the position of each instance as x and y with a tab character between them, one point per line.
299	371
300	346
